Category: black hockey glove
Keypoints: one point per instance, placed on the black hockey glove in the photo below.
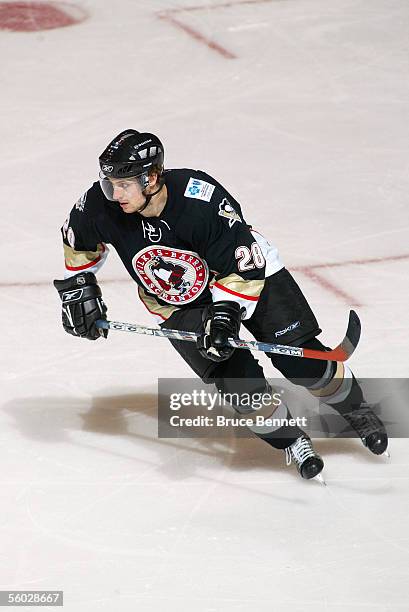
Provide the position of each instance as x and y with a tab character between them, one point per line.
221	321
82	305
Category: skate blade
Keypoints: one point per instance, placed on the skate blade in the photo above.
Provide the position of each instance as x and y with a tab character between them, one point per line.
387	454
320	479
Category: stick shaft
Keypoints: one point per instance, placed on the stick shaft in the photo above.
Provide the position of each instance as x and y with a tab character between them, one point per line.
342	352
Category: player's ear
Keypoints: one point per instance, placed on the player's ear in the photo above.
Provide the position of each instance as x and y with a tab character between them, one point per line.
153	179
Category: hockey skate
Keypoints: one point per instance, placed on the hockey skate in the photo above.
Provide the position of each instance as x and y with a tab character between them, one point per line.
309	463
369	428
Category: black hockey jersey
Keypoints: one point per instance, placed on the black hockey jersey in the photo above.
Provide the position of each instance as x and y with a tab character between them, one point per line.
199	249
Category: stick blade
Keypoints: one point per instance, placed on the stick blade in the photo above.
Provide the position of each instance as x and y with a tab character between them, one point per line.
348	345
353	335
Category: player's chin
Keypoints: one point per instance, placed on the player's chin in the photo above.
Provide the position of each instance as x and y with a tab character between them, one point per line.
126	207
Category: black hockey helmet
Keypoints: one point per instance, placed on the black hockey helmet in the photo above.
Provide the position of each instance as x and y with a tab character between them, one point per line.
130	154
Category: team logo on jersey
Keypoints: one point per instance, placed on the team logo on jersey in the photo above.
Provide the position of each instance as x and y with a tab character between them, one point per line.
80	204
173	275
154	234
227	211
199	190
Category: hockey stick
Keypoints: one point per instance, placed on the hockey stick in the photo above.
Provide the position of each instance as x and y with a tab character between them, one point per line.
341	353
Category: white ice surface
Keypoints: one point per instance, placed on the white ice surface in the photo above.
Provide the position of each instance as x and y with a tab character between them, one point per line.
309	128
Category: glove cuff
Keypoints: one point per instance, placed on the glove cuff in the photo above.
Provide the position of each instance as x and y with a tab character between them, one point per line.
232	308
225	314
73	282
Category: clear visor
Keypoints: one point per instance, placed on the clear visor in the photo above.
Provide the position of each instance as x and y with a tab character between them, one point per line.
120	185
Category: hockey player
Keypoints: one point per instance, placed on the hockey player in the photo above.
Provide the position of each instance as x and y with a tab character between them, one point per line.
200	267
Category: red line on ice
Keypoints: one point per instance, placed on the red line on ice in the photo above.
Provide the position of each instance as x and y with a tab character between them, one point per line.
355	262
168	16
211	7
330	286
211	44
311	272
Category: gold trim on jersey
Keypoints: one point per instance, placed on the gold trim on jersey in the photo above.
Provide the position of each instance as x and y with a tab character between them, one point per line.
153	305
239	286
78	259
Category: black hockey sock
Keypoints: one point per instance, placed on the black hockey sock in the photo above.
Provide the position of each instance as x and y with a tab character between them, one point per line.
283	436
353	400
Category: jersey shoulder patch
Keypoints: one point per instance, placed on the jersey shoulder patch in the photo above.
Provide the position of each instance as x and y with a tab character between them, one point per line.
91	204
199	190
227	211
80	203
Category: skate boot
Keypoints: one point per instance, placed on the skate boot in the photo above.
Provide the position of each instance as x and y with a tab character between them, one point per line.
309	463
369	428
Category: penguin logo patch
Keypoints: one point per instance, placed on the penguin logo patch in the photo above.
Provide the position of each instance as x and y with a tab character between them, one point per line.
227	211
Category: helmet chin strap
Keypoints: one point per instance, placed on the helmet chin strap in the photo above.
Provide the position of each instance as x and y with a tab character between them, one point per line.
149	196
